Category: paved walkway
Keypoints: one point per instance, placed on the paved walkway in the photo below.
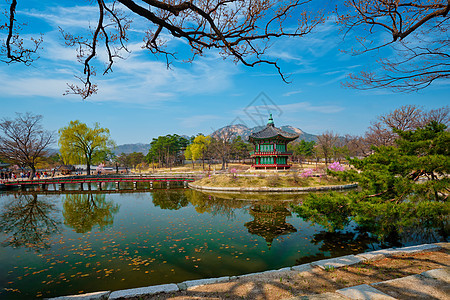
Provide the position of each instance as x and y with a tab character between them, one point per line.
431	284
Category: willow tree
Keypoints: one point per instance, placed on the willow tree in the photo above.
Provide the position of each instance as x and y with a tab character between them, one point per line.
240	29
78	142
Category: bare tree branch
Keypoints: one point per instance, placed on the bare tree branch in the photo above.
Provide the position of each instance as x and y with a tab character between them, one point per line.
419	40
240	29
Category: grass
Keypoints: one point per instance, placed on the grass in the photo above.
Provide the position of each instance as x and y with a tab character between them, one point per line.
273	180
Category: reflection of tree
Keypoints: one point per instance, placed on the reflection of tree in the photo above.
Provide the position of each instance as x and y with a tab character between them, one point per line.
406	222
84	211
28	222
213	204
338	244
392	223
269	221
166	199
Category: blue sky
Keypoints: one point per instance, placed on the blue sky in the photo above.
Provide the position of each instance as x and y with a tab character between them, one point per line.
141	99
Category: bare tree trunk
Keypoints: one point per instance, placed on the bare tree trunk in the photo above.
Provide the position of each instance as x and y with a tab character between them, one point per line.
33	172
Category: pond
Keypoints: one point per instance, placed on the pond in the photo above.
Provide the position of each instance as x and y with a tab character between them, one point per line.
59	244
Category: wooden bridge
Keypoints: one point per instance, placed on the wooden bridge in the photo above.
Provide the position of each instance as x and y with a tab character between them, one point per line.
99	181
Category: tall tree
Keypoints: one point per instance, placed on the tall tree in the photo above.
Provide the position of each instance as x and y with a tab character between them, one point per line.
222	144
167	149
240	148
419	40
325	143
400	187
302	149
23	140
243	30
199	147
78	141
407	117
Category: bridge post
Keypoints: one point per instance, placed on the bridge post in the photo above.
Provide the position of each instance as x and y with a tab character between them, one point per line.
81	186
61	186
43	186
117	185
99	186
135	185
168	184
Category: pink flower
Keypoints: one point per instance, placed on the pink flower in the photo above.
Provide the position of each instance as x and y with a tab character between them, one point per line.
307	173
336	166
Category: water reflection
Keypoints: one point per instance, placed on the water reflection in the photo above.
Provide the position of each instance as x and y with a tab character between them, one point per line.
28	221
393	224
167	199
269	221
84	211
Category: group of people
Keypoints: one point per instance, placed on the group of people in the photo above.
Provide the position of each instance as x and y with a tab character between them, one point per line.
7	175
10	175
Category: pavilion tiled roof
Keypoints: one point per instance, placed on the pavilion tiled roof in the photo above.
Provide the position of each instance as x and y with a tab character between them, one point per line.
270	131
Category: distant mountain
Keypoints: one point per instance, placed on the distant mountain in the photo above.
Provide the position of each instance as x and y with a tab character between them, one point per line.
130	148
235	130
245	132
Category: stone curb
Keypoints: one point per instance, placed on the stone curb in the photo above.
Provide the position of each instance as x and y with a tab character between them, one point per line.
337	262
364	291
383	253
89	296
274	189
149	290
333	262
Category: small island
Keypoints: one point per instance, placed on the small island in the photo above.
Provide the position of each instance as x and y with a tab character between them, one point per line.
270	162
265	182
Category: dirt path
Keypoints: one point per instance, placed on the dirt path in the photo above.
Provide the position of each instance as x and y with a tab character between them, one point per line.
281	285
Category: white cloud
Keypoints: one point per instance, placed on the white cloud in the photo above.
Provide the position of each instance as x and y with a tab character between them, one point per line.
292	93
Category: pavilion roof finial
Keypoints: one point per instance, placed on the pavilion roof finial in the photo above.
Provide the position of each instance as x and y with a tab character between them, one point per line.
270	120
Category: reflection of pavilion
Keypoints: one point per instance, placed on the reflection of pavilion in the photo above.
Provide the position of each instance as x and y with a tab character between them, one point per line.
269	222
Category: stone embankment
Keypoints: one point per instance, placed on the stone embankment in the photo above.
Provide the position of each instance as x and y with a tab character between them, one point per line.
275	189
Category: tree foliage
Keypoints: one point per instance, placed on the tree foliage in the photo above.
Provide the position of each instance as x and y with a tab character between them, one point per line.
23	140
167	150
78	142
400	186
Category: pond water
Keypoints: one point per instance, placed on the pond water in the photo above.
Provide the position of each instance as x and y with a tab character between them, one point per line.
78	242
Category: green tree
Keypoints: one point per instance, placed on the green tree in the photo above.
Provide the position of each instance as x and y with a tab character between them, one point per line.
302	149
240	148
400	187
192	153
78	142
199	147
167	150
